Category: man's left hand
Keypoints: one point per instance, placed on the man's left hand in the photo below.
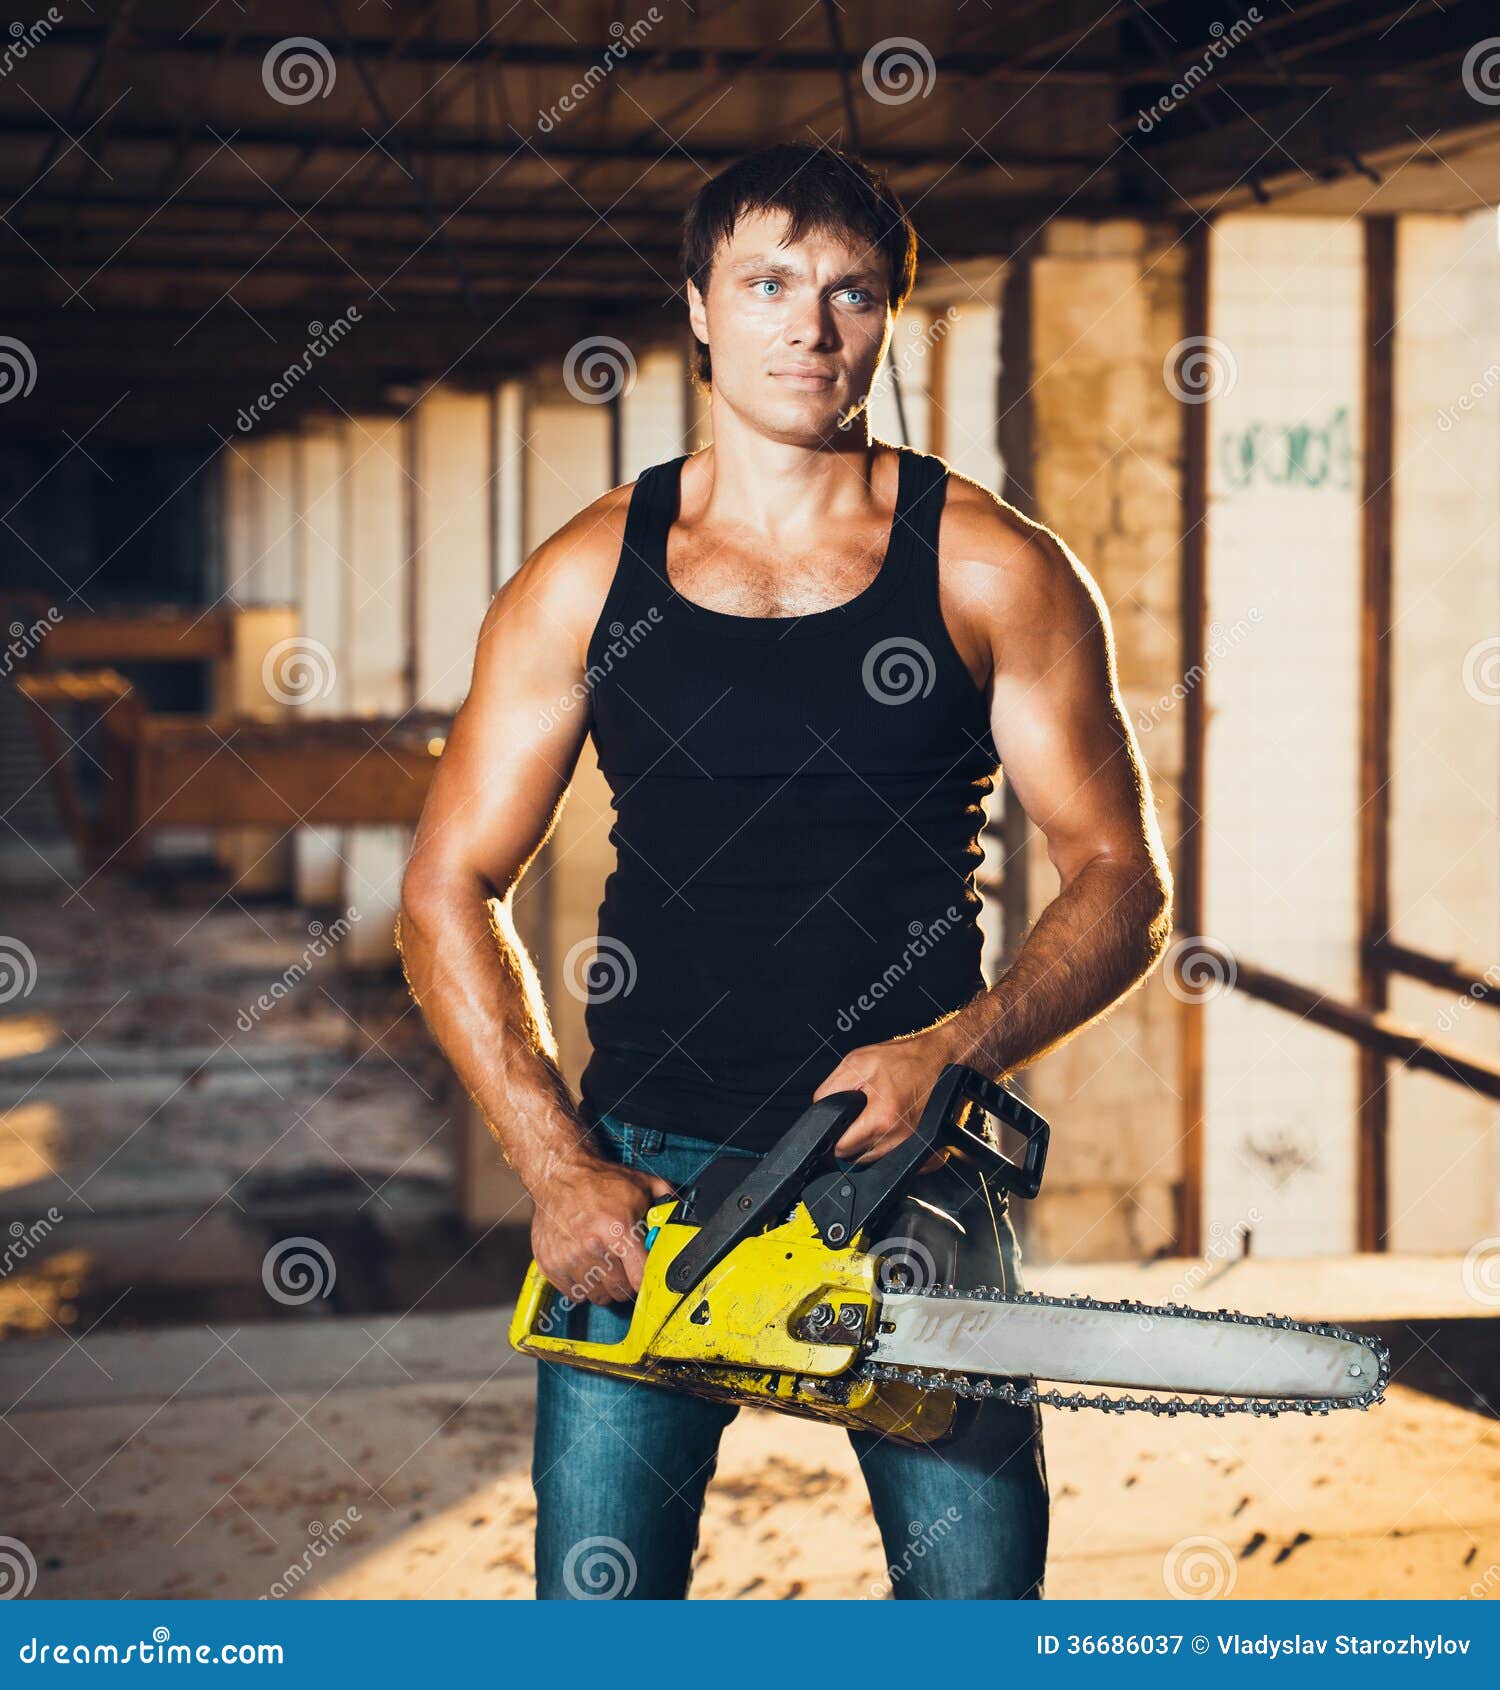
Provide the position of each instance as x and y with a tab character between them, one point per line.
896	1077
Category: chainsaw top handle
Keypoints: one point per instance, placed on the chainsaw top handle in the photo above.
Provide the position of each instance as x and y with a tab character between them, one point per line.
842	1203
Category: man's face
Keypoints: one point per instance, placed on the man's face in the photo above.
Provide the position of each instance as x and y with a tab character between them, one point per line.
796	333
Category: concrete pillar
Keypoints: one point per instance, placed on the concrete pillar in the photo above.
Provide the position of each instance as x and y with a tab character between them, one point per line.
275	458
654	414
1284	602
322	596
376	516
242	522
1445	738
1106	304
510	461
455	441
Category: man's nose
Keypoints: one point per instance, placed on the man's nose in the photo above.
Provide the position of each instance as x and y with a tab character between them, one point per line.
811	326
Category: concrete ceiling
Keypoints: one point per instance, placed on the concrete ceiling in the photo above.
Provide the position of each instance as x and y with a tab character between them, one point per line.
190	186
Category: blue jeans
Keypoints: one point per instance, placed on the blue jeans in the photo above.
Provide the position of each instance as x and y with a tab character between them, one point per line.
620	1469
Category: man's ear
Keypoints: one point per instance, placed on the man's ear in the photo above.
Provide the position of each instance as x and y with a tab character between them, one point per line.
697	312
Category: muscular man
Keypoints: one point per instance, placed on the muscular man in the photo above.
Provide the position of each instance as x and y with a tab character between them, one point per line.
802	654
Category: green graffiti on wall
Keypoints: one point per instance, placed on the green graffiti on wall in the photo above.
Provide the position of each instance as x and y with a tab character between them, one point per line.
1289	454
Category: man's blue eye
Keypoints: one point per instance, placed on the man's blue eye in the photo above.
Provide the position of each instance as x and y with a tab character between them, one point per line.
767	282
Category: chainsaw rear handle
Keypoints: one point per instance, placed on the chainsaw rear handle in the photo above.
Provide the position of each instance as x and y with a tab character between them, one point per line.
845	1203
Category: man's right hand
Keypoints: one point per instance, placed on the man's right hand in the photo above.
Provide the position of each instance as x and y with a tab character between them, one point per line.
588	1233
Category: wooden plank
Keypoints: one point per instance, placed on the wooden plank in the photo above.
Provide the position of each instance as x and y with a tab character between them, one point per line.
1373	1208
156	636
1193	634
1465	979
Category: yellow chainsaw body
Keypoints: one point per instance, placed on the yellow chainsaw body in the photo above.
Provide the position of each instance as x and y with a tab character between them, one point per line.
739	1335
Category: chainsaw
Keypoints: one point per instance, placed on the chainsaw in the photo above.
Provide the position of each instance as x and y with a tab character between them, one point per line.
847	1293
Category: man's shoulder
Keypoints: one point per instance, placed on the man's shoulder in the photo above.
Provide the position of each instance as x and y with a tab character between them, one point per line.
995	561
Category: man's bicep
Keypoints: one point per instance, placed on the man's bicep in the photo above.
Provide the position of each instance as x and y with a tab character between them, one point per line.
515	742
1056	715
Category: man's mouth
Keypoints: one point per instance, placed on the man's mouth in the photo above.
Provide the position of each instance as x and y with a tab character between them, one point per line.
811	379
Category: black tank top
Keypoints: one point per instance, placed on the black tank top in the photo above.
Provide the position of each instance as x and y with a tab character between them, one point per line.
797	809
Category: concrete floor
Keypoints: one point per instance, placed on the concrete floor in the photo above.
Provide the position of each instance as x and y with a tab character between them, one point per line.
372	1458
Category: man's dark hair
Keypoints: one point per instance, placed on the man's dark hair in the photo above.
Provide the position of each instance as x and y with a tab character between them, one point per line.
819	188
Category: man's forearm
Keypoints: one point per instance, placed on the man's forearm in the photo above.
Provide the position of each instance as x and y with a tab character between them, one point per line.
468	975
1099	937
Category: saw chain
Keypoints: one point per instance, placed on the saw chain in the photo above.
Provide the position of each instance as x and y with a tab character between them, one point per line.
1023	1395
